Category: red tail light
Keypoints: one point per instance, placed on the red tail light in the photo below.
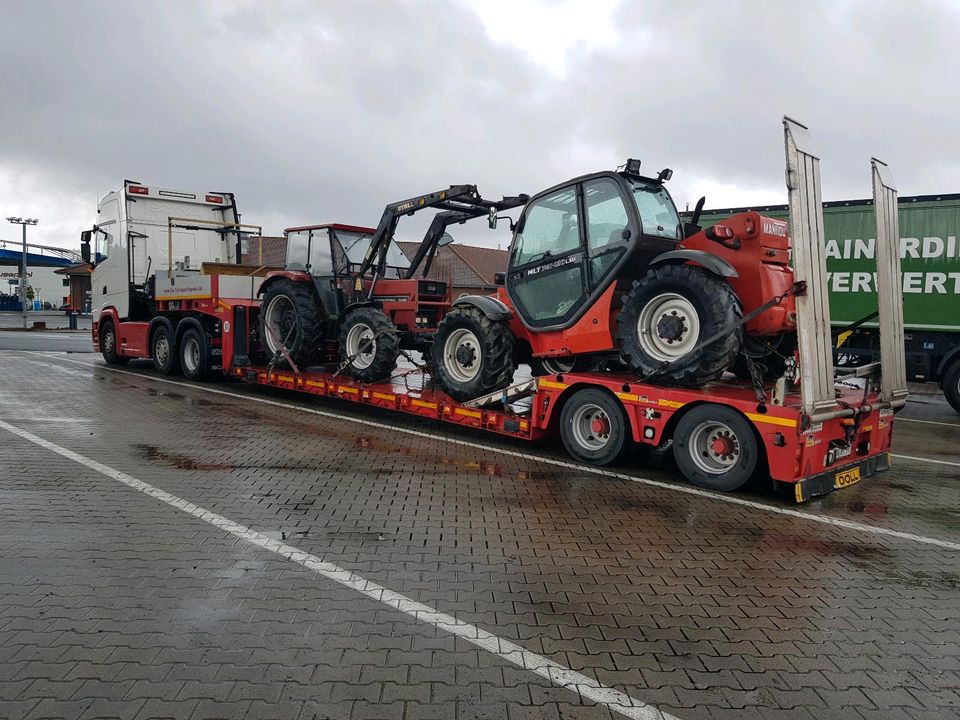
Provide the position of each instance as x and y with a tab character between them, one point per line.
722	231
138	190
214	198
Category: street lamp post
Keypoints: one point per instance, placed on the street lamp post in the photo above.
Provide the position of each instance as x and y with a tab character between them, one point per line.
23	222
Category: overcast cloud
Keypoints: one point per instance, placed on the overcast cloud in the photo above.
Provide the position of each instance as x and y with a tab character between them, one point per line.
315	112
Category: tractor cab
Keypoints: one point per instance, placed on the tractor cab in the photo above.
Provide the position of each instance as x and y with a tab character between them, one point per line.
576	239
338	251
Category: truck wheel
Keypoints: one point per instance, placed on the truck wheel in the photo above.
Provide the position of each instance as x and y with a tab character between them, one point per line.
715	447
594	427
194	355
951	384
290	317
472	354
668	313
368	336
163	350
109	346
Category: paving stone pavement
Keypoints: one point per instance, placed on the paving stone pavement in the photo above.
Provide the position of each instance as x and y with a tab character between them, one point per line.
113	604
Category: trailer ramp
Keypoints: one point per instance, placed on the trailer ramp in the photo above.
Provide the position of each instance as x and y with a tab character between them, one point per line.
809	264
893	378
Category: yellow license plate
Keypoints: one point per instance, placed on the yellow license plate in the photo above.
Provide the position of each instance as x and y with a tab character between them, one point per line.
844	478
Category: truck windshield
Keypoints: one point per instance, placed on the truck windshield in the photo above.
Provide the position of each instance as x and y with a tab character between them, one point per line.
657	211
355	247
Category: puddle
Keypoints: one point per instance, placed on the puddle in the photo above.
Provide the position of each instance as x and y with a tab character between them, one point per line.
181	462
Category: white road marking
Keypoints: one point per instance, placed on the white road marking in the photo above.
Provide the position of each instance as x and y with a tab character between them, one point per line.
926	460
558	674
928	422
686	489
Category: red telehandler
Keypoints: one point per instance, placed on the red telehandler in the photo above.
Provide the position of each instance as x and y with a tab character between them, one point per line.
601	270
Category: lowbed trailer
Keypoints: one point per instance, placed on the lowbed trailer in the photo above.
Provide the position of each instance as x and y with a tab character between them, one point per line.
812	430
804	460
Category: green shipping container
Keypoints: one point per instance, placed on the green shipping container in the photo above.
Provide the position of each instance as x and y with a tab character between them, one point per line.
929	252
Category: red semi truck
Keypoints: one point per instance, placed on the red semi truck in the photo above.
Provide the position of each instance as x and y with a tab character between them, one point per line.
182	299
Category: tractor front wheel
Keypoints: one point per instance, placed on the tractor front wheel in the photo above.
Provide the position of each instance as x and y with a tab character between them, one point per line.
371	342
667	316
472	354
291	319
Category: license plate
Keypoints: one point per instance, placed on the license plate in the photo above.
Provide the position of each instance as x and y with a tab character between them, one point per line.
845	478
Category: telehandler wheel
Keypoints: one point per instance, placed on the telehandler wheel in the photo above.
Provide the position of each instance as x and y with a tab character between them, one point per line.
109	345
368	336
472	355
290	317
163	350
594	427
194	354
715	447
665	317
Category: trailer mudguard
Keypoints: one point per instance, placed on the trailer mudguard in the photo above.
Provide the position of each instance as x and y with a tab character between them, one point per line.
714	264
488	305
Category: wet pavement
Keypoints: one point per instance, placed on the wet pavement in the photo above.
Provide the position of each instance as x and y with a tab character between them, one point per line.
169	550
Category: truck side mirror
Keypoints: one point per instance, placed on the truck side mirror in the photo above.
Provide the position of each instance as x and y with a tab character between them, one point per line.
85	245
500	278
492	218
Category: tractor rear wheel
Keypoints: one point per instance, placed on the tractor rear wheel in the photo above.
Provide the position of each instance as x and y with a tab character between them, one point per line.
371	340
472	354
666	317
291	318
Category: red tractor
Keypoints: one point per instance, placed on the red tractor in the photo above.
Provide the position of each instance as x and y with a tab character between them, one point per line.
349	295
602	270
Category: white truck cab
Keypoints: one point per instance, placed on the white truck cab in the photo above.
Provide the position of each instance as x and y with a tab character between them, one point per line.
145	231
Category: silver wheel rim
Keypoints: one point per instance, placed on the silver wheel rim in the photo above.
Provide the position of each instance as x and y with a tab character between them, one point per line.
279	316
672	308
591	427
361	346
714	447
108	340
464	342
191	355
161	349
556	366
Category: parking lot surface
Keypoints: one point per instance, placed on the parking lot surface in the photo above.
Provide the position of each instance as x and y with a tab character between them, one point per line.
201	551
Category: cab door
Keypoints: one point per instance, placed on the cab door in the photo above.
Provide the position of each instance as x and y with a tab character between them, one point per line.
546	278
567	251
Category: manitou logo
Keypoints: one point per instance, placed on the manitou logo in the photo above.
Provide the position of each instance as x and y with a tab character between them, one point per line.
774	227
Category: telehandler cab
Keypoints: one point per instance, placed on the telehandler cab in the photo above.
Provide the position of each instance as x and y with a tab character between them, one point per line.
601	269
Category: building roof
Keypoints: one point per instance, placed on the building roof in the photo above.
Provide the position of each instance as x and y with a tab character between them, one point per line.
463	265
274	251
78	269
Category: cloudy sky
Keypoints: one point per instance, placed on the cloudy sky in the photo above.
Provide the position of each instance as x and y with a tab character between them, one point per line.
325	111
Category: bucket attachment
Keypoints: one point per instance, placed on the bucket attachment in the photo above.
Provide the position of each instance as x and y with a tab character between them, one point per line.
893	373
809	266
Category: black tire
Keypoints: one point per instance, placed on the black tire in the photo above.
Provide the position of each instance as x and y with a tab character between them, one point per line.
164	351
594	427
951	384
194	353
374	360
109	344
679	304
472	355
715	447
560	365
297	321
